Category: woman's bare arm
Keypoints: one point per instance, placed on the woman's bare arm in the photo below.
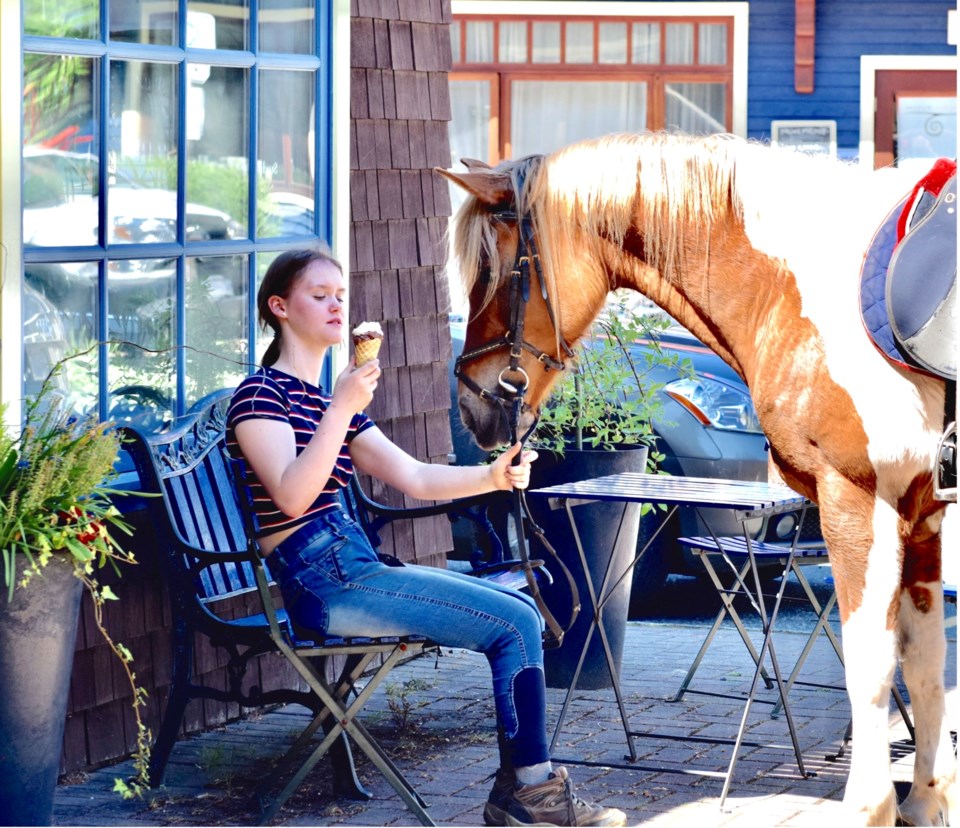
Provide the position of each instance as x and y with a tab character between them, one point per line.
374	454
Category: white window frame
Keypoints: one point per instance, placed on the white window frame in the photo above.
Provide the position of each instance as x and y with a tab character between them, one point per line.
11	234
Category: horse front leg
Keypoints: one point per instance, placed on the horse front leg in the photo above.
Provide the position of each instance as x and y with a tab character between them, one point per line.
861	535
923	659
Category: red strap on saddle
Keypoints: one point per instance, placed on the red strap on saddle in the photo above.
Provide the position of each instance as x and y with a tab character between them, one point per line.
940	173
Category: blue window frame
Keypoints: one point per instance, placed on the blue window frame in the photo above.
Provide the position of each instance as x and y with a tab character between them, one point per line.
170	150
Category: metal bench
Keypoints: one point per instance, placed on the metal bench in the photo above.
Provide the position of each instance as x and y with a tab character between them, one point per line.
203	528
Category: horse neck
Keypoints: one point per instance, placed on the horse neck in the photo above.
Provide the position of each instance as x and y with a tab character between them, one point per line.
723	292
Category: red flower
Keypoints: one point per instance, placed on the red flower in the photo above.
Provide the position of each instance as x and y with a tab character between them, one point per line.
92	533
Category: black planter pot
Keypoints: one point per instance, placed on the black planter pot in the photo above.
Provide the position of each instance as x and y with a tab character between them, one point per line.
597	524
38	631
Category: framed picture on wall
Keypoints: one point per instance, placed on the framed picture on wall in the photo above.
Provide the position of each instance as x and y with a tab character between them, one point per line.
815	137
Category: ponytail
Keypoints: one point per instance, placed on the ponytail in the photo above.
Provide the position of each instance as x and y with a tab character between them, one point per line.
272	354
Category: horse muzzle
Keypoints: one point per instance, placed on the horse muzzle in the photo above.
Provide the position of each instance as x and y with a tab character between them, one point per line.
489	423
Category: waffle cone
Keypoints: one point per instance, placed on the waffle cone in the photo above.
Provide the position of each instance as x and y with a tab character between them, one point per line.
366	349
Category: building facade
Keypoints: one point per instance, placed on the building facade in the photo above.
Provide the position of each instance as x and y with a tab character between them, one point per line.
533	76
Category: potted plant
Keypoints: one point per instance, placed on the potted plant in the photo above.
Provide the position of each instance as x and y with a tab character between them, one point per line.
609	401
56	531
599	421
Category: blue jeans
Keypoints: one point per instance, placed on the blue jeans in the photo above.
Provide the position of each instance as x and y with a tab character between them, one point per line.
332	581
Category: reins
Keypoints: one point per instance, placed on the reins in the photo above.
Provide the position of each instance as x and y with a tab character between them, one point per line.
514	381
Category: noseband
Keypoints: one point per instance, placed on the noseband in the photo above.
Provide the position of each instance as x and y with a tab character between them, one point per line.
514	379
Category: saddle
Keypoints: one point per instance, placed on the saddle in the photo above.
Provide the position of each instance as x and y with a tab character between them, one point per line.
909	276
908	295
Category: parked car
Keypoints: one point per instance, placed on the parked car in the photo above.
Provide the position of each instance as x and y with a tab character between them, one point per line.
708	428
60	205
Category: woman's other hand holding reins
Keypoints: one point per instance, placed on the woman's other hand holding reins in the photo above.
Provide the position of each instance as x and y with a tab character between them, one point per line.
508	476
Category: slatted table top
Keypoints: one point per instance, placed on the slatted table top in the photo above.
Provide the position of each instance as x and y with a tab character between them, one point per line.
743	495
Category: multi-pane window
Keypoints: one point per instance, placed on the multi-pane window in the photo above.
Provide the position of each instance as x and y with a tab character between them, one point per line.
551	80
170	150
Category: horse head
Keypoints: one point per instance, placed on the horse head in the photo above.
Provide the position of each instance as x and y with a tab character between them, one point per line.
516	342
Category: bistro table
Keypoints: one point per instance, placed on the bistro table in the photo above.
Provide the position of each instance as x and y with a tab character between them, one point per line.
747	500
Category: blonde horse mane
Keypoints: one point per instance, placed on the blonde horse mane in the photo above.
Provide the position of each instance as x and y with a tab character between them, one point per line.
596	192
667	189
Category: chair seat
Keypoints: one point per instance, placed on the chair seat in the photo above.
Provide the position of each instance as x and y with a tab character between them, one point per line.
333	642
736	547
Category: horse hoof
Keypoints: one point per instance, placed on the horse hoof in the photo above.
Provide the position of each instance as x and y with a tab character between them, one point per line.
920	811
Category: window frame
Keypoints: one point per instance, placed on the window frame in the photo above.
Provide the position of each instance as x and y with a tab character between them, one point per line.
329	147
733	74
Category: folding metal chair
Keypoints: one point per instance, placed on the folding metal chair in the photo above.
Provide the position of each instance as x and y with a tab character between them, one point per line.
734	551
307	652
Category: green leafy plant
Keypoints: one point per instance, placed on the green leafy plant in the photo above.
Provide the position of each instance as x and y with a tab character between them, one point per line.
610	400
55	500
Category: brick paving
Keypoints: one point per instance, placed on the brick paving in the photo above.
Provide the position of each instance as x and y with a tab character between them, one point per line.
448	747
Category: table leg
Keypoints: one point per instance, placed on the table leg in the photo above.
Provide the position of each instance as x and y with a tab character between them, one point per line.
766	646
823	618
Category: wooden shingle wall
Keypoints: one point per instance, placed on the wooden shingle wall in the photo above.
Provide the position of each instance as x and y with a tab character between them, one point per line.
399	109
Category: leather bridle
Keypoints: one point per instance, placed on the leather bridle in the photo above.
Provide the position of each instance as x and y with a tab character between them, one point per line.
514	379
508	397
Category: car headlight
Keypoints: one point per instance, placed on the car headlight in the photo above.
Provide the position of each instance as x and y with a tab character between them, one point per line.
716	404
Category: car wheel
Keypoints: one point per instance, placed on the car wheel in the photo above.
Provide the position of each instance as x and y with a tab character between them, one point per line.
650	572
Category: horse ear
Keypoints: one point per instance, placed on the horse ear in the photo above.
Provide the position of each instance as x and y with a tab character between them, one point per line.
490	187
473	164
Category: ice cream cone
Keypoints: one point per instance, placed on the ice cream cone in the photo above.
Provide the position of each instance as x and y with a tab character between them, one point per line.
366	349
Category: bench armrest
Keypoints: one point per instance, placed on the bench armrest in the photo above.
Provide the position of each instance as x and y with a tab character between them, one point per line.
374	516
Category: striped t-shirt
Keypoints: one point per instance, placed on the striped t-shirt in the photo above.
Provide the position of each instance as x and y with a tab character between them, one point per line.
273	395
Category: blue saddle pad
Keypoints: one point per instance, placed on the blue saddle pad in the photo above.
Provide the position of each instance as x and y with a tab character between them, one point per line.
873	287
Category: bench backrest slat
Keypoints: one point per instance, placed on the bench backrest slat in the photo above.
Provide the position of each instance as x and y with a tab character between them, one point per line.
200	501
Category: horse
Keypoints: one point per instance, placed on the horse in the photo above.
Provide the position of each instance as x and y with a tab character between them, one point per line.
756	250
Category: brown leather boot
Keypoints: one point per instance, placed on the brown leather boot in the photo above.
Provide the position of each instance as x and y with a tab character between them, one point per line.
554	803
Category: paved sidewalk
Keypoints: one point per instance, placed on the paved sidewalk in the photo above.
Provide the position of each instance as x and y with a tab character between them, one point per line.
437	722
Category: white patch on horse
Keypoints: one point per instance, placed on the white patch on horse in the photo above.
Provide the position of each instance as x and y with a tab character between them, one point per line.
825	205
869	650
923	652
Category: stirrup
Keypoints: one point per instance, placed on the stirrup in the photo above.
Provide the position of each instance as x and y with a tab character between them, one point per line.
945	487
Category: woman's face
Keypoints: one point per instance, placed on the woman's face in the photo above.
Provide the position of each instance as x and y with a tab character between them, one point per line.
313	311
